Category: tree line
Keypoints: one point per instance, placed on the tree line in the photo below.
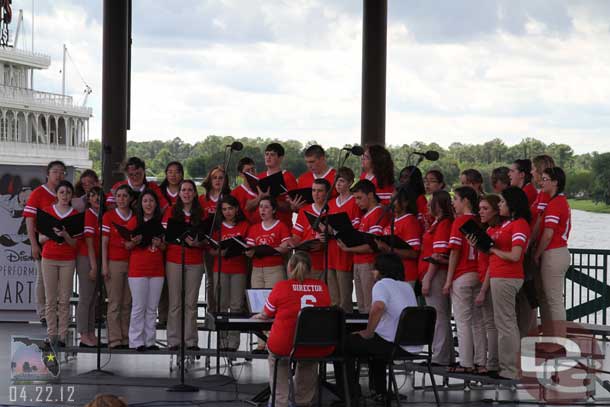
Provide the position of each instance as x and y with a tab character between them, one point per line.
588	174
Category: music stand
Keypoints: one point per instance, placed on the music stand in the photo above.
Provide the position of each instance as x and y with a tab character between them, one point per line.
182	387
224	379
98	371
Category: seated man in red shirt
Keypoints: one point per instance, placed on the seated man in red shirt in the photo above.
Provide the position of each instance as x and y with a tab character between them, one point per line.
287	298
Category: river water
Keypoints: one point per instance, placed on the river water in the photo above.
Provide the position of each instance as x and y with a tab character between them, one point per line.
590	230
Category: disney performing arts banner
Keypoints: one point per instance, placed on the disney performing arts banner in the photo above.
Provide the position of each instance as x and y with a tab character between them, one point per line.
17	268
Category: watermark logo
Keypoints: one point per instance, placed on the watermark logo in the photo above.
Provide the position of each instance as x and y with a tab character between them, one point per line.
562	369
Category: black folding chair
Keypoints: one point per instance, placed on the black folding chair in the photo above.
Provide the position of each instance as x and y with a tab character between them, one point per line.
316	326
415	328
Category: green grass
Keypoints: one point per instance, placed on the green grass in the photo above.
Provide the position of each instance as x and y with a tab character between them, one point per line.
589	206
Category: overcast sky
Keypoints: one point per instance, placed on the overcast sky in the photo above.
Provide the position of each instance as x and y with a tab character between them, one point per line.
464	70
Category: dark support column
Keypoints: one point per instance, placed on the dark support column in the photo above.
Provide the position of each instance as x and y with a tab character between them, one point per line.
115	82
374	46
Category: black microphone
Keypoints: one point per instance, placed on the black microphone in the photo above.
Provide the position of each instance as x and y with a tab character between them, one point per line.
355	150
236	146
430	155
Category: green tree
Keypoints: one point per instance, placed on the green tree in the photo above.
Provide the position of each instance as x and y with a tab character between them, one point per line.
601	183
196	167
579	184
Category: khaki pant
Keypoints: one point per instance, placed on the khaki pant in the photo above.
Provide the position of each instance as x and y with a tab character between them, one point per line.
479	335
304	382
41	302
119	303
503	294
526	315
266	277
341	287
463	292
164	303
553	267
57	276
192	278
442	347
232	294
364	281
87	297
491	333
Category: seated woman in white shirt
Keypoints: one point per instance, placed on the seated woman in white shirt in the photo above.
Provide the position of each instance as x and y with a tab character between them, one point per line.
391	294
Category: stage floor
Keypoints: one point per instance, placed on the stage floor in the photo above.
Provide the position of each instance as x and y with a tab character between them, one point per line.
142	379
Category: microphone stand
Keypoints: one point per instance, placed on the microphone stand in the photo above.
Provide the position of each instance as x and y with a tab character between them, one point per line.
390	207
324	211
182	387
224	379
98	371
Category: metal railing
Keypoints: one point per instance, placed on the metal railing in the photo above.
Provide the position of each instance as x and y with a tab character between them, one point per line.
587	294
35	97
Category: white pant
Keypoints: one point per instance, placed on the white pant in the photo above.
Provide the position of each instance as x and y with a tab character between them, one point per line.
145	294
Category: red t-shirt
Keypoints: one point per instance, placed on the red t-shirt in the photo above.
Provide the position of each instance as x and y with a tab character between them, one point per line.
192	255
307	178
368	225
530	192
153	186
91	230
116	244
208	205
59	251
483	258
537	209
468	254
385	193
273	236
338	259
237	264
434	240
408	228
243	194
511	233
291	183
422	211
41	197
287	298
170	197
302	228
558	217
144	261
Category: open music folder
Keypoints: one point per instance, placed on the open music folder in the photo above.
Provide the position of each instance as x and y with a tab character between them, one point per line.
484	242
45	223
148	230
176	231
312	245
304	193
346	232
234	246
394	241
274	183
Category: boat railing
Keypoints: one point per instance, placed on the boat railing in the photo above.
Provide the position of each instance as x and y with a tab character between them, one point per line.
587	294
38	57
30	96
